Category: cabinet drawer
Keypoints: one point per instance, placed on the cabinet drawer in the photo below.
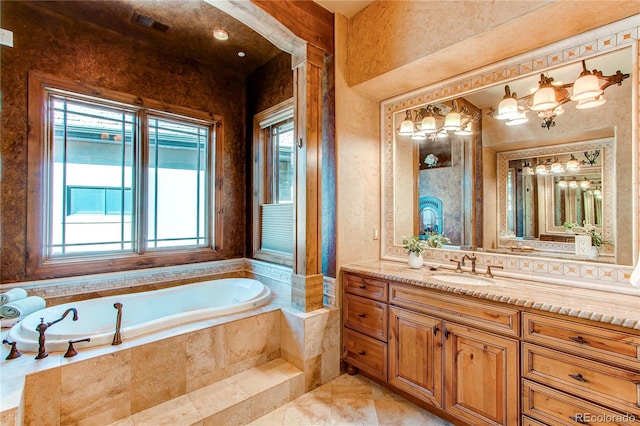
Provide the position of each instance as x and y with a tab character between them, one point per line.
366	316
584	340
557	408
367	287
366	353
606	385
528	421
477	314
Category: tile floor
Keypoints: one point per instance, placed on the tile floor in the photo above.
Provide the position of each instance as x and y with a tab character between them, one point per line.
350	400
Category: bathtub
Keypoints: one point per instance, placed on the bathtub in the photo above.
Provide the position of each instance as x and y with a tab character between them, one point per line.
142	313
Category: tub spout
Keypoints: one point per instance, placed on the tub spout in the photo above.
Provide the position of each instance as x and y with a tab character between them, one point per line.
42	328
117	339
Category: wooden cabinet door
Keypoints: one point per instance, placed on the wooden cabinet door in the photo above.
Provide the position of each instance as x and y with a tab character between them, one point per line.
481	376
415	355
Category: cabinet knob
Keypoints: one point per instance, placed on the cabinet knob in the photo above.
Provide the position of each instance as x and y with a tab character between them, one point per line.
362	315
362	353
446	333
578	377
578	339
362	286
435	330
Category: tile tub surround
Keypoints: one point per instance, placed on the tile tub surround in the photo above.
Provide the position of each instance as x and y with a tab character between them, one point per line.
587	303
107	383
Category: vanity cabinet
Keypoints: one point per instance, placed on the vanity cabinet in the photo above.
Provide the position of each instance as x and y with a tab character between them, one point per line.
490	363
575	373
440	353
365	317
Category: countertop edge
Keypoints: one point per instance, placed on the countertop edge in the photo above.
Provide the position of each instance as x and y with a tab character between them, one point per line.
495	297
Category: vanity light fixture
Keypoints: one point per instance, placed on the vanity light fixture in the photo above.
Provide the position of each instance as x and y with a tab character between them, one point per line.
573	164
562	183
430	122
548	98
585	184
573	184
557	167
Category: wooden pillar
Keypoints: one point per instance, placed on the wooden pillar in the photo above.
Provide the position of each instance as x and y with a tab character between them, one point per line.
307	279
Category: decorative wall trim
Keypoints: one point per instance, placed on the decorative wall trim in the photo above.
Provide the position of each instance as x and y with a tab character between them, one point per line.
112	281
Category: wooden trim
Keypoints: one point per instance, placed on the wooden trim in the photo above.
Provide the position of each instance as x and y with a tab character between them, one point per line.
37	266
307	20
262	163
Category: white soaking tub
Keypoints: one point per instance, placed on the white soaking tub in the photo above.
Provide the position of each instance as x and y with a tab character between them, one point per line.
142	313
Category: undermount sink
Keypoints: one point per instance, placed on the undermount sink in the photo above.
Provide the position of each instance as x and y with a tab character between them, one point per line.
461	279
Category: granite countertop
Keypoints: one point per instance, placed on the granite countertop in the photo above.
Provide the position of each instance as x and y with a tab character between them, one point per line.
595	305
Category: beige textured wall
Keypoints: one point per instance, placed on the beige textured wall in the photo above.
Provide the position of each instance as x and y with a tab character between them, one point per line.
358	163
398	46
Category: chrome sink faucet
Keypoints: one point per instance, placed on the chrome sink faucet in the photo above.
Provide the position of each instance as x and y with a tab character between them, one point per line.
472	258
42	327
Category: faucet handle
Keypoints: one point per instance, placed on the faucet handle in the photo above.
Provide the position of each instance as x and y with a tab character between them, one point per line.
488	274
71	351
458	267
14	353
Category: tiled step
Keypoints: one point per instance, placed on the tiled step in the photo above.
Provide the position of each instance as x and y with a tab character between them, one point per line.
237	400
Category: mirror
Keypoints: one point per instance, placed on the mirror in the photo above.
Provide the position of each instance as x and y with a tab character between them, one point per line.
480	164
552	193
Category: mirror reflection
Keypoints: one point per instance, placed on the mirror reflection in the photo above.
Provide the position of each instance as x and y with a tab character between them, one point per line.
456	185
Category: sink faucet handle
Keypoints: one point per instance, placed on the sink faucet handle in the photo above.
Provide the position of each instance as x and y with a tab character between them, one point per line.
458	267
488	274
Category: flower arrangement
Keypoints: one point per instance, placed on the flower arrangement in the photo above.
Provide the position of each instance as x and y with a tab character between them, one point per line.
414	245
596	237
569	225
437	240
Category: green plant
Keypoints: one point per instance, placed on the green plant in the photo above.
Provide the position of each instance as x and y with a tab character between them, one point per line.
414	245
569	225
437	240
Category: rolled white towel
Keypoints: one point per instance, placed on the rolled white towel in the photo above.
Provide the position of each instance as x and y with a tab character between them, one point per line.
22	307
12	295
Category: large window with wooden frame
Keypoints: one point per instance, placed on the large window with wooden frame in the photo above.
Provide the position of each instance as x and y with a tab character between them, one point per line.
117	181
274	178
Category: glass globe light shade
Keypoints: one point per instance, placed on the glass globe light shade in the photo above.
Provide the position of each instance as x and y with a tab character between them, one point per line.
586	86
544	98
466	131
562	183
507	109
557	167
519	118
585	184
573	164
573	184
541	169
591	102
406	127
419	136
452	121
442	134
428	125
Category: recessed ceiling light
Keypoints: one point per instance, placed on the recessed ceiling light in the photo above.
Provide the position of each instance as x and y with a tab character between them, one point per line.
220	34
242	54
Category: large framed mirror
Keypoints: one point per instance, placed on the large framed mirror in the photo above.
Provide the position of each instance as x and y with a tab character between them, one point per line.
472	178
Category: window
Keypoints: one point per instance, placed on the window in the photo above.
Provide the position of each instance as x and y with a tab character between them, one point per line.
274	184
118	179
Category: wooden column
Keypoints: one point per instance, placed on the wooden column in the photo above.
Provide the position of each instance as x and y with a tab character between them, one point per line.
307	279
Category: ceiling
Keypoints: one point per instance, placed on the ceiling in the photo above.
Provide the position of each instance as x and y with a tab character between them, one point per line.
190	27
190	33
